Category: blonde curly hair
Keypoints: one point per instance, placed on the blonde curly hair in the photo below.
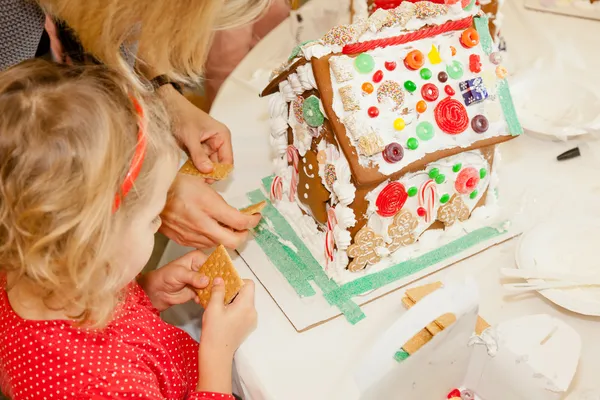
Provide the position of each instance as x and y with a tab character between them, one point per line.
173	36
67	138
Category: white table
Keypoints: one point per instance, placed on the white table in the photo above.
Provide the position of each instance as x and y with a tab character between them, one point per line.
278	363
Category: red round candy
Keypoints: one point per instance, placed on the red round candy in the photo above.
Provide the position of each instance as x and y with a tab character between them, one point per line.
390	65
430	92
391	199
467	180
378	76
373	112
449	91
475	63
451	116
393	153
454	393
421	212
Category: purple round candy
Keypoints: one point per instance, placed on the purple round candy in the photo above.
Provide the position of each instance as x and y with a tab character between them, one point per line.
393	153
496	58
467	394
480	124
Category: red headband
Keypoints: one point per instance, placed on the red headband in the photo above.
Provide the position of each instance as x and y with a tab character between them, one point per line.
138	158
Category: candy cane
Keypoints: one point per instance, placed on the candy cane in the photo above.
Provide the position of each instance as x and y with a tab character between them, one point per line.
427	195
294	158
331	219
329	245
276	189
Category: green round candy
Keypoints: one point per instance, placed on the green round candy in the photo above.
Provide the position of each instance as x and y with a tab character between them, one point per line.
441	178
455	70
445	198
412	192
410	86
425	131
457	167
364	63
474	194
482	173
312	112
433	173
426	73
412	143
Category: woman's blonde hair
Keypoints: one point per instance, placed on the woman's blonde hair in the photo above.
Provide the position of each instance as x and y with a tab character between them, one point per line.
67	139
173	36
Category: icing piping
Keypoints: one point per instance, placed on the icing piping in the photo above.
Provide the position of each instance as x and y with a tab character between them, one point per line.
482	26
401	355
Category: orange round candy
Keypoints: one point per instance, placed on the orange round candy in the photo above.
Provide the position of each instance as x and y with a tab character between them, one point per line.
501	72
453	50
469	38
414	60
421	106
367	87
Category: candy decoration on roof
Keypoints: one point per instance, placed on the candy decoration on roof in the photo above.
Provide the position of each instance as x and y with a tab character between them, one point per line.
475	63
330	175
410	86
391	91
467	180
501	72
414	60
412	143
393	153
378	76
496	58
430	92
294	158
443	77
469	38
391	199
454	393
341	35
434	55
355	48
312	112
399	124
425	131
473	91
421	108
367	87
455	70
428	9
329	246
427	198
364	63
451	116
390	65
480	124
449	90
298	109
373	112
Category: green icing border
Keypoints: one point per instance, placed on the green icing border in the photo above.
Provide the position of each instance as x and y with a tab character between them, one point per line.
506	102
300	268
401	355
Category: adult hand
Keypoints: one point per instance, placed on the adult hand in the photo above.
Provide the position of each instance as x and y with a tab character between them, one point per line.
206	139
176	282
197	216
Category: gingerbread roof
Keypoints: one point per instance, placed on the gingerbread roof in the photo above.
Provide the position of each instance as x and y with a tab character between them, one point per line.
409	86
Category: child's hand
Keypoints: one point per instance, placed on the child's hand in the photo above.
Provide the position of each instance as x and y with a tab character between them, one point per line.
224	328
176	282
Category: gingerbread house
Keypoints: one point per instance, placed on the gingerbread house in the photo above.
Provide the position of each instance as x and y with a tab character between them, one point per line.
386	129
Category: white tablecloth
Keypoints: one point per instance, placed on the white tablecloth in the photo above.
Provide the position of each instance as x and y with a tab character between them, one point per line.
278	363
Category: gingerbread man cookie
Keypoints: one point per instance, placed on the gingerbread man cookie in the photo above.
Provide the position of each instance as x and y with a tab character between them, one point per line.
401	230
364	249
454	210
311	191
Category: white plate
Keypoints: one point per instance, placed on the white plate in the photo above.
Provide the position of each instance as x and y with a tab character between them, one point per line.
564	246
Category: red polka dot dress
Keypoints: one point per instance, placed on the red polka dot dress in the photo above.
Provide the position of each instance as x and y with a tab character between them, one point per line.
138	356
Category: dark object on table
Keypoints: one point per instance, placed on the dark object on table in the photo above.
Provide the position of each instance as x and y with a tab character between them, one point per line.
567	155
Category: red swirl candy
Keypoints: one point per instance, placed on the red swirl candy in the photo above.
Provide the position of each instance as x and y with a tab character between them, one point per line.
451	116
467	180
430	92
391	199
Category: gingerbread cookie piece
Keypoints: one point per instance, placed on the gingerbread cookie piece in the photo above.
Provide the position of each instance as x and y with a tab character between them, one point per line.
401	230
454	210
364	249
311	191
219	265
254	208
219	172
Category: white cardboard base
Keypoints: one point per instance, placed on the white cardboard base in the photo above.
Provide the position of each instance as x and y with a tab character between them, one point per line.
307	313
575	8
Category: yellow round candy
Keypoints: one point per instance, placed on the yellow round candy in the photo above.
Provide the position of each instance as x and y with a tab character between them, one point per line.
399	124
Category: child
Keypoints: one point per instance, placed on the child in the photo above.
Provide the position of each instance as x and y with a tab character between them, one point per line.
85	167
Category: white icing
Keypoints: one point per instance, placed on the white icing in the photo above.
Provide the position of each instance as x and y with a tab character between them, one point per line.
279	144
342	238
316	50
345	216
307	77
343	187
295	84
279	126
277	105
361	9
271	228
286	91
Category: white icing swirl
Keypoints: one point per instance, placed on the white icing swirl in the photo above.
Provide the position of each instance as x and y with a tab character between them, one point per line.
315	50
343	187
281	167
286	91
277	106
295	84
307	77
342	238
279	144
279	126
345	216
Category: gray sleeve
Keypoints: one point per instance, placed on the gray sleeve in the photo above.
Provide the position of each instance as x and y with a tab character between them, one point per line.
21	28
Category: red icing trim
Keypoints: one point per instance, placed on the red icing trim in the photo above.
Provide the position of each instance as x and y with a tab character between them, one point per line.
361	47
